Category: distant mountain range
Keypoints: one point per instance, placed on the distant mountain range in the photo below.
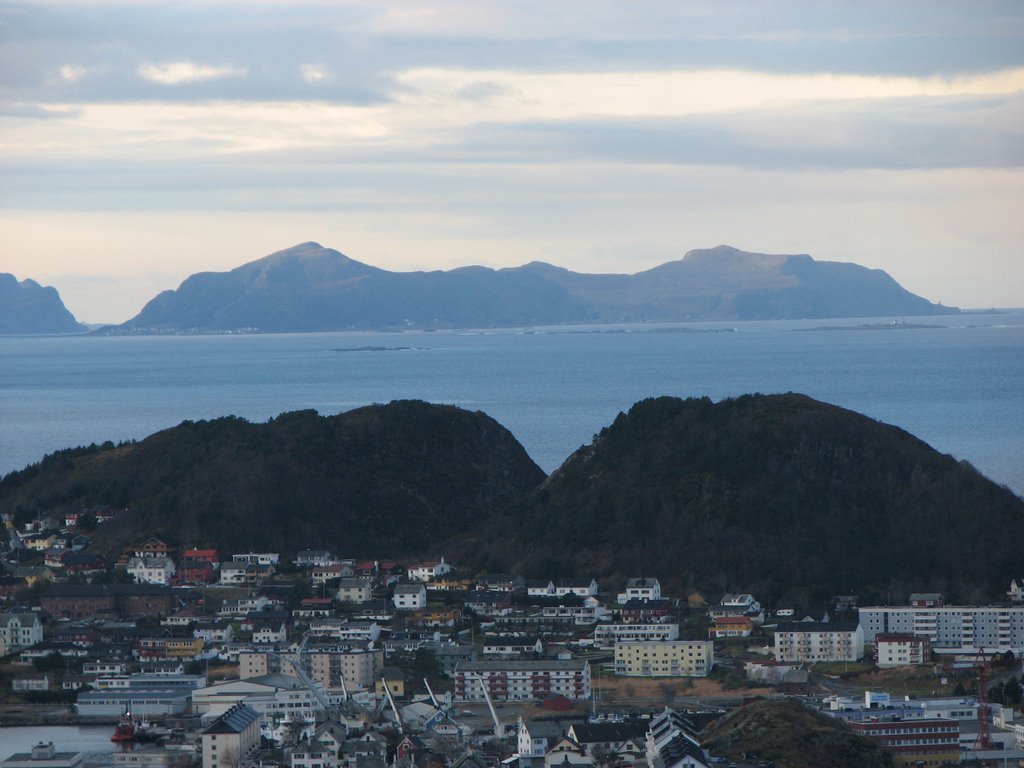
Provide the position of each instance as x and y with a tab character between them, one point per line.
781	495
27	307
312	288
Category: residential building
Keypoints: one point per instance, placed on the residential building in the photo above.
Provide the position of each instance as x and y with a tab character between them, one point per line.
151	570
343	630
522	680
626	741
951	628
566	753
742	604
429	570
590	612
19	630
485	602
540	588
257	558
646	611
31	683
819	641
1016	590
307	558
731	626
232	738
151	547
512	645
607	635
321	574
900	650
354	590
664	658
409	597
672	743
210	556
578	587
310	753
642	589
926	599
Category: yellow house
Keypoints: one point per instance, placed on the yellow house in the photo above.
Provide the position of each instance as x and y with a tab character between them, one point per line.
395	681
39	542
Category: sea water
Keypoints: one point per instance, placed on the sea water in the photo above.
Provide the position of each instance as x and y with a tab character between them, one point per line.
956	382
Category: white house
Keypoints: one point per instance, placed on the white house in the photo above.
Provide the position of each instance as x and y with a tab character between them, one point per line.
151	570
540	588
19	630
738	605
580	587
410	597
640	589
429	570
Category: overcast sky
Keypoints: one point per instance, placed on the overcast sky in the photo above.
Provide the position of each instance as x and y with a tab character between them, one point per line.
141	142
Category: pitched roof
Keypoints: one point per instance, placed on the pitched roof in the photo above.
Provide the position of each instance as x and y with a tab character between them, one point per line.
235	720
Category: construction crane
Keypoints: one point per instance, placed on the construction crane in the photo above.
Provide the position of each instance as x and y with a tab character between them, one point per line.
391	700
499	729
430	692
981	664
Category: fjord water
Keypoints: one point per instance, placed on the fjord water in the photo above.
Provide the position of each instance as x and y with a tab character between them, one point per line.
958	384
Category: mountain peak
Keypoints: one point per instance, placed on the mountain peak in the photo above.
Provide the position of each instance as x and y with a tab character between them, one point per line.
28	307
308	287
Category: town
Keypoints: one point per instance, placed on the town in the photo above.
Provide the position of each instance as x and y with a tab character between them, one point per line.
195	656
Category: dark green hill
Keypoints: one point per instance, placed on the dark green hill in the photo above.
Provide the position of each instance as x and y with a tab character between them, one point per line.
384	480
791	736
780	495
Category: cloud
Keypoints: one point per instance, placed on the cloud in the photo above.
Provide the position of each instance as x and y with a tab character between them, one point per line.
177	72
70	73
315	73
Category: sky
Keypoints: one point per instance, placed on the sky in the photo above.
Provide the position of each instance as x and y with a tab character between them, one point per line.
141	142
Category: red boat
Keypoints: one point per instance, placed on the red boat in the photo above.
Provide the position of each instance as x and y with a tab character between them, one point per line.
127	729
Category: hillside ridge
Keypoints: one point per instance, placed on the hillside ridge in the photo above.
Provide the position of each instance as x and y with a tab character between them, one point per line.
312	288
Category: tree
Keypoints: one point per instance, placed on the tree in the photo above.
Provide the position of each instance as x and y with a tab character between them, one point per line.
1013	691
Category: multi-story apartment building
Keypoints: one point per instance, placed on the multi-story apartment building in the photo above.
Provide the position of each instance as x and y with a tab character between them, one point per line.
819	641
664	658
606	635
900	650
329	666
963	628
522	680
232	739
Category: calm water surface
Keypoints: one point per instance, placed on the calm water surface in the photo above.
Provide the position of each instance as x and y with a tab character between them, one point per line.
958	386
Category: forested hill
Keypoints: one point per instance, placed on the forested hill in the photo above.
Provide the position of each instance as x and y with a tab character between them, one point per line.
384	480
780	495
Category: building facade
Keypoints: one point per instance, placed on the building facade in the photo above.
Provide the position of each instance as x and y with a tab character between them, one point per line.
966	628
522	680
668	658
819	641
